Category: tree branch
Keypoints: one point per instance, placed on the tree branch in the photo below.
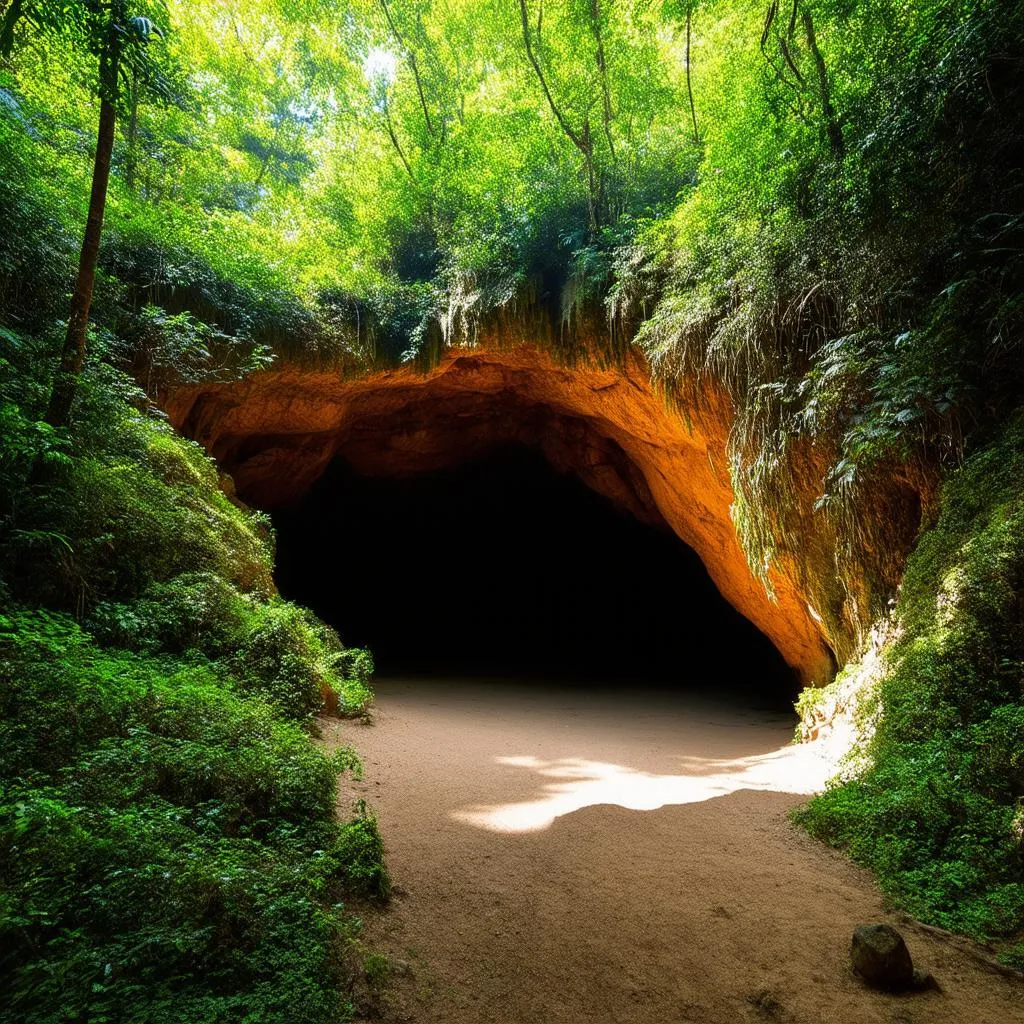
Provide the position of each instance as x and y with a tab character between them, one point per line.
835	133
595	24
411	57
689	83
394	139
577	140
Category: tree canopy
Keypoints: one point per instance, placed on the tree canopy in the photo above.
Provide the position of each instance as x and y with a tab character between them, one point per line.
383	150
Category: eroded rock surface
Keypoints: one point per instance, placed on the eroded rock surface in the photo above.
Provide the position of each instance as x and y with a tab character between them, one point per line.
277	431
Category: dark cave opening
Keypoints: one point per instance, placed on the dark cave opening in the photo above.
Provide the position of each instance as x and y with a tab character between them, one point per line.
504	567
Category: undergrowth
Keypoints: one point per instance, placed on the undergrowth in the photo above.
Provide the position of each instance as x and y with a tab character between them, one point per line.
169	847
939	811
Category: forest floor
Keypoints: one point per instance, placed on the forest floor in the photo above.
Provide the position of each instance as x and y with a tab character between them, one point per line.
567	854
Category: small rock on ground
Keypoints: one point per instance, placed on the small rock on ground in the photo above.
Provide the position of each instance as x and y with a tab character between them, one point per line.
880	956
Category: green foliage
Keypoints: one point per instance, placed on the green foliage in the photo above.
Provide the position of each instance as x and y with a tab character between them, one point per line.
866	296
292	659
194	611
135	533
376	969
169	848
939	814
319	153
360	851
272	648
117	33
171	349
346	186
136	517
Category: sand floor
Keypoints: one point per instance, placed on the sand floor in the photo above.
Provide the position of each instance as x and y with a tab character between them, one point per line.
562	854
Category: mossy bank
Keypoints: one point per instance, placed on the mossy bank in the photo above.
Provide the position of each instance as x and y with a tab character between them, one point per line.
934	798
169	847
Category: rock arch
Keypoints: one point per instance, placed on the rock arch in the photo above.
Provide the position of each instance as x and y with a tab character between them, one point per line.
276	432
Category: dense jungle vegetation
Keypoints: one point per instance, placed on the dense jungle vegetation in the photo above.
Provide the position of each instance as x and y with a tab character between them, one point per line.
815	205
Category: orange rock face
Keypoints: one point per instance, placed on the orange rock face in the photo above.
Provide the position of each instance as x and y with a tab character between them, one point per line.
276	432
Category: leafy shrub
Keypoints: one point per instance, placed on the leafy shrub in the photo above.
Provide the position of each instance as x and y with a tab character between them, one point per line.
135	506
168	843
194	611
297	662
282	657
168	848
939	812
273	648
360	851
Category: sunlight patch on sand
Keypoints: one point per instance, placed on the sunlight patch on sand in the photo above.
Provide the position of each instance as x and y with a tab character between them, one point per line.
582	783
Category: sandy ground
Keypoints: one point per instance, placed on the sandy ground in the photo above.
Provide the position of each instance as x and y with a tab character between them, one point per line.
562	855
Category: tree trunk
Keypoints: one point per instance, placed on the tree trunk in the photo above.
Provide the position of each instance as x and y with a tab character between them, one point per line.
394	140
574	137
10	19
73	354
832	128
689	83
592	196
583	142
413	65
602	67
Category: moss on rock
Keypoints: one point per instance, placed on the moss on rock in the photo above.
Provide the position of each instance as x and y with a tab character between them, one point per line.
939	811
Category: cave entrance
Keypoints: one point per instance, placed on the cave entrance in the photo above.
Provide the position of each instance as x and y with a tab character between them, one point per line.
503	566
278	431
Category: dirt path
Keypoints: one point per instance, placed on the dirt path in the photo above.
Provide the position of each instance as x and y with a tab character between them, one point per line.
564	857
